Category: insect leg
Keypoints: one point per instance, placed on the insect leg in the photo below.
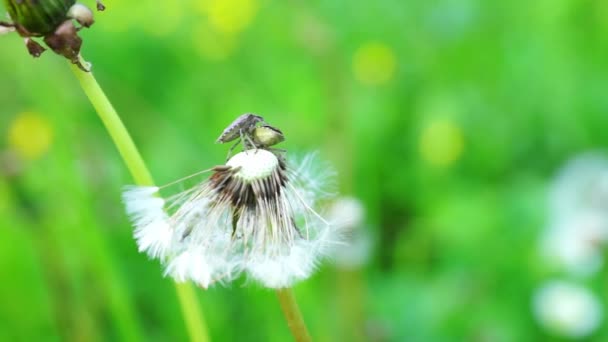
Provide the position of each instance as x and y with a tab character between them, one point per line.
247	142
278	152
232	148
252	143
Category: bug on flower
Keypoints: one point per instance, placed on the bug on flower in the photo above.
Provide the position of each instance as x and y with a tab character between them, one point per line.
245	130
243	124
253	216
265	136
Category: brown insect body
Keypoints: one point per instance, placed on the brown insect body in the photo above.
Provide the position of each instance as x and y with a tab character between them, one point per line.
245	128
242	125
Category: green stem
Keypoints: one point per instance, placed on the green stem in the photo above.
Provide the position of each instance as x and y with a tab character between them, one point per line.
135	163
192	314
292	314
125	145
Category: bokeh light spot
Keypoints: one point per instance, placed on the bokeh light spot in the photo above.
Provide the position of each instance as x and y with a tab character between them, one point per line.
230	16
374	63
441	143
30	135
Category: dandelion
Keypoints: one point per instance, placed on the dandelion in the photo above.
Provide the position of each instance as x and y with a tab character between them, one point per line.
52	20
575	243
567	309
582	184
254	216
347	214
578	230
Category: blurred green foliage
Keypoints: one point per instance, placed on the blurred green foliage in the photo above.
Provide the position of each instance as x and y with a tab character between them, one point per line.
446	118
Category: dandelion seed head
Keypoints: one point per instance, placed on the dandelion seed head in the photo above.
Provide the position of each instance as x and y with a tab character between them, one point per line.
253	164
280	272
567	309
347	211
582	184
348	215
253	216
152	231
575	243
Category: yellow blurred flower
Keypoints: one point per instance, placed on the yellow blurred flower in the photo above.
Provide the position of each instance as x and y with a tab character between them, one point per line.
213	45
229	16
441	142
374	63
30	135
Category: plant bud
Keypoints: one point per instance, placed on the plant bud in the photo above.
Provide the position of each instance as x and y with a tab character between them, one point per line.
52	20
6	29
37	18
82	14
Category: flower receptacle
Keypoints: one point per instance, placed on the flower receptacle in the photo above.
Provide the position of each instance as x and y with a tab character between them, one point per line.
54	21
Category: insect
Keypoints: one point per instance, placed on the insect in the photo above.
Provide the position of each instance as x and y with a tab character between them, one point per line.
263	137
245	129
241	125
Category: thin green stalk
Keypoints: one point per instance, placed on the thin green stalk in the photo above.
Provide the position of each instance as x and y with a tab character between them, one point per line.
293	315
192	313
130	155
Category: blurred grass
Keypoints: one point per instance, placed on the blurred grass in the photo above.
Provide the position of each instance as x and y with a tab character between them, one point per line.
446	118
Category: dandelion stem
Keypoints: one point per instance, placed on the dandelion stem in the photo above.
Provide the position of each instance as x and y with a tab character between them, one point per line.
293	315
193	315
128	151
125	145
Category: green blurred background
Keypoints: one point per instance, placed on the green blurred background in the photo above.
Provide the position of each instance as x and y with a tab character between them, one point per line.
446	118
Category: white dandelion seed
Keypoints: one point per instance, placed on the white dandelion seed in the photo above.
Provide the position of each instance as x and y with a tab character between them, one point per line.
152	231
348	214
578	231
582	184
576	243
567	309
253	215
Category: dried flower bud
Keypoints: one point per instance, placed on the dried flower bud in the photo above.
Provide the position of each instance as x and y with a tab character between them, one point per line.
6	29
37	18
65	41
82	14
52	20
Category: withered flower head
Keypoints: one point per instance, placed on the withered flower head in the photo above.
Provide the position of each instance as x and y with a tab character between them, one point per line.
252	216
52	20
